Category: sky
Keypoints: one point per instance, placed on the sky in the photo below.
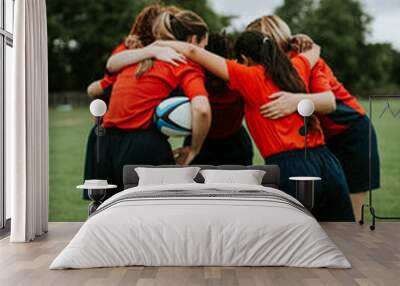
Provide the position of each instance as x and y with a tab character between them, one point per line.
385	26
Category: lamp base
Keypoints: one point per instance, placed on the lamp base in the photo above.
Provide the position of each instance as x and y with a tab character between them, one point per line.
97	196
305	190
305	193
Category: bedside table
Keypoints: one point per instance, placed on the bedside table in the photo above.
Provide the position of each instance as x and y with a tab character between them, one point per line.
96	194
305	187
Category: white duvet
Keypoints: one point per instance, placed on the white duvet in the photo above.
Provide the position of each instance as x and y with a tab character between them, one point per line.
201	231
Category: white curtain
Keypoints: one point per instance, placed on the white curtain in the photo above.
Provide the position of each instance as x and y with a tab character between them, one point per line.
27	124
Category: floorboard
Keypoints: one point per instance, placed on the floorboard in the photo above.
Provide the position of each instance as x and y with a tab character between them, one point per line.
374	255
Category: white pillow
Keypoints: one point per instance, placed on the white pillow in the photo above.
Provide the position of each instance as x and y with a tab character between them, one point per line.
248	177
165	176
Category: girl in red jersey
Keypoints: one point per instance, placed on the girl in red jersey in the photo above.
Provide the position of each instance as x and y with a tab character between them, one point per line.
130	137
227	142
140	36
346	129
264	70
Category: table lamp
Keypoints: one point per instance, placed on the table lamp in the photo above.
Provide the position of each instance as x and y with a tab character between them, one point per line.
97	188
305	108
98	108
305	186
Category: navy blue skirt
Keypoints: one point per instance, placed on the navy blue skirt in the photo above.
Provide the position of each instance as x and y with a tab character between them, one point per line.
332	200
352	149
120	147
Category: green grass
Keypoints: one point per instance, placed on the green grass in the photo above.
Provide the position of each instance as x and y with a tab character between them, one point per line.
387	199
68	134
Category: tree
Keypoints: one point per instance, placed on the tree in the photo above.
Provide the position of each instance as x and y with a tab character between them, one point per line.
81	35
294	12
215	21
395	74
341	27
377	69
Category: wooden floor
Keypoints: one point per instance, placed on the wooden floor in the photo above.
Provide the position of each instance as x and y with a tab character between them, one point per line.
375	257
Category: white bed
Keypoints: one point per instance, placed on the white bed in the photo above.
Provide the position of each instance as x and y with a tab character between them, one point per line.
224	225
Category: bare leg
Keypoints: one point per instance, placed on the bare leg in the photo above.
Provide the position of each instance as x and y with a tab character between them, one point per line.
357	200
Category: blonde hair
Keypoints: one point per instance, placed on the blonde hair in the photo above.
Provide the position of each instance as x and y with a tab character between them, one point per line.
274	27
141	32
175	26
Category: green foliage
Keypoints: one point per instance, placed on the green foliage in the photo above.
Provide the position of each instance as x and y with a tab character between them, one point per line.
81	35
395	74
295	11
215	22
341	27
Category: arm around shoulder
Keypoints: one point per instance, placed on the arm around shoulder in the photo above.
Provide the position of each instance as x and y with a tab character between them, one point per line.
210	61
312	55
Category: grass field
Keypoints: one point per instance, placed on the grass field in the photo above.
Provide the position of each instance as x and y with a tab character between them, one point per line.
68	133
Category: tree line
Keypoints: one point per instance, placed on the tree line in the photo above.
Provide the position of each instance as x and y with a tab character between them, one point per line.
81	35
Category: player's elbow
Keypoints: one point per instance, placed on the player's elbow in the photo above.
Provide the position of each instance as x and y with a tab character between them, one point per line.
94	89
91	90
201	107
110	67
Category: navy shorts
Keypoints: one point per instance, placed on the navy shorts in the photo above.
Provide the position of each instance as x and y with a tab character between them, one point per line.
236	149
332	200
120	147
352	150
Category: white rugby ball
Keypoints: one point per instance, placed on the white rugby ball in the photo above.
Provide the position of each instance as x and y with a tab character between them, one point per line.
173	116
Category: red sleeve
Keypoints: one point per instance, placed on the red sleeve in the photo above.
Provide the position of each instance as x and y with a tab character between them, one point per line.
107	81
120	48
319	80
239	76
192	81
303	67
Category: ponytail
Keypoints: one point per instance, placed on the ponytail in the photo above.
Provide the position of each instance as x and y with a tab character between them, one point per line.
141	34
162	27
177	27
277	66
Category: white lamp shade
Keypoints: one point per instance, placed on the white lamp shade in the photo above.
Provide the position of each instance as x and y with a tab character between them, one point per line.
305	107
98	107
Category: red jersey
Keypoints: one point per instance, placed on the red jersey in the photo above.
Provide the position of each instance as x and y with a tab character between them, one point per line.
227	113
109	79
134	99
271	136
348	110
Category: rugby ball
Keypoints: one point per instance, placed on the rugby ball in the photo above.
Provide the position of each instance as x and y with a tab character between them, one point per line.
173	117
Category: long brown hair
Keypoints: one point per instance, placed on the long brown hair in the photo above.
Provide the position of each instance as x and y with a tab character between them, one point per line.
176	26
264	50
273	27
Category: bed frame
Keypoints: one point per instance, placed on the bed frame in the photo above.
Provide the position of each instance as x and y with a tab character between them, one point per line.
271	177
